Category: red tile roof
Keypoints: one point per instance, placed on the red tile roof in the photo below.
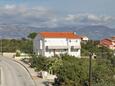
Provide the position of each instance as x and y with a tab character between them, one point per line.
106	42
69	35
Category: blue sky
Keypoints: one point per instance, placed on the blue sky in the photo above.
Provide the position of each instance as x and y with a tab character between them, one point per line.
99	7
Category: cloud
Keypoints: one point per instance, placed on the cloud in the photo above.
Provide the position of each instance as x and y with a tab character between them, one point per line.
9	6
93	17
25	10
31	16
44	17
87	18
12	9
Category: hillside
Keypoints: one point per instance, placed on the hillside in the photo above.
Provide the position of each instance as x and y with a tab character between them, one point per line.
92	31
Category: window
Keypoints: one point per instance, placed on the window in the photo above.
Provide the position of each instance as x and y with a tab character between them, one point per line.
45	40
63	50
74	49
69	40
46	48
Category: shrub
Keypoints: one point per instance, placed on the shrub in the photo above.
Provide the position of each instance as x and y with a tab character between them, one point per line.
18	52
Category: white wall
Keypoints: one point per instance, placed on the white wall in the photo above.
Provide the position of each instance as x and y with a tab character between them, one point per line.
36	44
40	45
63	42
55	42
77	43
74	42
85	39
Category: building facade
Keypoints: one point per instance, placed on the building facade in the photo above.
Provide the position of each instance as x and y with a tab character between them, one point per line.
108	42
55	43
84	38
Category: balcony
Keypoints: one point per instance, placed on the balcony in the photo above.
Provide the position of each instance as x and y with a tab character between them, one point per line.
57	47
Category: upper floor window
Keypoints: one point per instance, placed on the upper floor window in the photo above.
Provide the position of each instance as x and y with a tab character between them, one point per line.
45	40
73	40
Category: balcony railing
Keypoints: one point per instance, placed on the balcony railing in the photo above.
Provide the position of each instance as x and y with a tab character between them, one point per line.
57	47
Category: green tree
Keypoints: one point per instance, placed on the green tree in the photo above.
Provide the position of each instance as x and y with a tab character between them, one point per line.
32	35
103	71
54	64
73	72
11	45
38	62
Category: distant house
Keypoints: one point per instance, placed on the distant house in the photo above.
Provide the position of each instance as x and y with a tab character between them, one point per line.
55	43
108	42
84	38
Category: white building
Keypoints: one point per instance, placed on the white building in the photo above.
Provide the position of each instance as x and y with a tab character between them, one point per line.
55	43
84	38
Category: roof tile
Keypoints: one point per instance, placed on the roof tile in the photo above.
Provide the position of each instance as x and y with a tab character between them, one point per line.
69	35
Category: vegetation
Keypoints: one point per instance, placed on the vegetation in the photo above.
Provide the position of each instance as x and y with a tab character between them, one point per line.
38	62
72	71
12	45
93	46
18	53
48	64
32	35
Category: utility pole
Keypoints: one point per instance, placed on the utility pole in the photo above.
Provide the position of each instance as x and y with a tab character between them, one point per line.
1	47
91	55
90	69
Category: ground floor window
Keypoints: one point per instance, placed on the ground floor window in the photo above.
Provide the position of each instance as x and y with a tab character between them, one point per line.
56	50
74	49
46	49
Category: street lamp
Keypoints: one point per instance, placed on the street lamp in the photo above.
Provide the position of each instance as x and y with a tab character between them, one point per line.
91	55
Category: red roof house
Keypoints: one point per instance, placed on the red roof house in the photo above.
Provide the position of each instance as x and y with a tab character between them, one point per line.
69	35
108	42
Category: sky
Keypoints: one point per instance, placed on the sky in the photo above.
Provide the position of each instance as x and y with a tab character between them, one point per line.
56	12
99	7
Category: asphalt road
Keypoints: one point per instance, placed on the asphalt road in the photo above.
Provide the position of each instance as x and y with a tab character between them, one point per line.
13	74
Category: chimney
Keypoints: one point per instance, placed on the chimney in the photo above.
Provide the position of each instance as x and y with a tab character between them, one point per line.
74	33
